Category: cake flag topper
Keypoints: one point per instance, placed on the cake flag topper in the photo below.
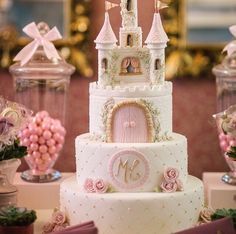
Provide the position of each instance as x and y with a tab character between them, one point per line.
110	5
231	47
39	40
159	5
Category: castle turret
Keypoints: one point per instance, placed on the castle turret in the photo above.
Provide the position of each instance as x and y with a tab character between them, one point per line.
130	33
157	42
105	42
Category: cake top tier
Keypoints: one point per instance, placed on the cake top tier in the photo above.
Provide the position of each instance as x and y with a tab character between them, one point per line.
130	61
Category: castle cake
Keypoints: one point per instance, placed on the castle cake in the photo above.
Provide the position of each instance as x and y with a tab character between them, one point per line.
131	168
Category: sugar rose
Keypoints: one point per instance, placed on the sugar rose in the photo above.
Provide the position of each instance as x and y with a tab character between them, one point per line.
100	186
88	186
58	217
171	174
169	187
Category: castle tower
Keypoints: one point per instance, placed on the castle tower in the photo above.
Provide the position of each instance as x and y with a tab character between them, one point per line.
157	42
130	33
105	42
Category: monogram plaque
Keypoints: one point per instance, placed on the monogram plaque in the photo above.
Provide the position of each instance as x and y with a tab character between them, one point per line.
129	169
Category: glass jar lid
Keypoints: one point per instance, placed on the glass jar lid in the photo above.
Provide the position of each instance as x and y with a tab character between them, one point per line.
40	65
227	67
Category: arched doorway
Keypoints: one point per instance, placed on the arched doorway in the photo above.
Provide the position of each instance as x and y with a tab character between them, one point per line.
157	64
130	122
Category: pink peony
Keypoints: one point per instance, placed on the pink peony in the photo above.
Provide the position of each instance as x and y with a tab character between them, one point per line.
169	187
58	217
88	186
100	186
171	174
48	227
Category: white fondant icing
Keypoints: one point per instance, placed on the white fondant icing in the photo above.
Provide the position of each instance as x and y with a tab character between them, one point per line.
93	159
134	213
159	95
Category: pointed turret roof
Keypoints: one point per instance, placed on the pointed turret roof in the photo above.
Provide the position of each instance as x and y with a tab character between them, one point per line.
157	33
106	35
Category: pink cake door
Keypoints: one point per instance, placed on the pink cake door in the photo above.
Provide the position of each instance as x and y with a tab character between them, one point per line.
130	125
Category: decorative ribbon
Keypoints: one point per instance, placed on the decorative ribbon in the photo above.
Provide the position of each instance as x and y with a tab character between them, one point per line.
110	5
231	47
159	5
39	40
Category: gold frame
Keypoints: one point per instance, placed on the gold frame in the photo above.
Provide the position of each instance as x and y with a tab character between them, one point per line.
74	48
148	115
183	59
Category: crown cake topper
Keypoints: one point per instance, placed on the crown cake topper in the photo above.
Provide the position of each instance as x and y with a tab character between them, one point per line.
40	39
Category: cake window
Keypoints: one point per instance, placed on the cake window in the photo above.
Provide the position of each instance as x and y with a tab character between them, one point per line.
129	40
157	64
130	65
104	64
129	5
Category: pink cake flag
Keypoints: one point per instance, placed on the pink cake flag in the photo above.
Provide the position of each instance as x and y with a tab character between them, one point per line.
110	5
39	40
159	5
231	47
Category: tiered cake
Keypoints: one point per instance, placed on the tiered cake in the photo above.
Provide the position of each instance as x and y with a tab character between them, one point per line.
132	175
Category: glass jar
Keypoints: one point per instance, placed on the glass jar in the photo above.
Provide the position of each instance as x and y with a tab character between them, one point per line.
226	82
226	100
42	85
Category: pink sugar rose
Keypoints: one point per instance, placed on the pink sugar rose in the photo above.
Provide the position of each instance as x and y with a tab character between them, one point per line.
48	227
100	186
169	187
171	174
59	228
88	186
58	217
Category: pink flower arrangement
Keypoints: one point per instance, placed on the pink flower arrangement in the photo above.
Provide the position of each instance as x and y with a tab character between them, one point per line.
58	222
97	186
171	182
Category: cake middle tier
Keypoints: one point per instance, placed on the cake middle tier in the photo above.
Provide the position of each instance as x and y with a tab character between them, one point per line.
130	167
110	103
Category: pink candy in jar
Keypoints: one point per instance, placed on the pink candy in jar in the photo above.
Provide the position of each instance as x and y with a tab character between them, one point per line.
44	137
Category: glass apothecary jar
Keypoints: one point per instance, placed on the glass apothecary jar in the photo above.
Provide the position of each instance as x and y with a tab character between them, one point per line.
42	85
226	102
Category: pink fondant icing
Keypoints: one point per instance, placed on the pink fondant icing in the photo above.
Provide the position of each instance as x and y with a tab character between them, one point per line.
169	187
88	186
100	186
130	125
130	156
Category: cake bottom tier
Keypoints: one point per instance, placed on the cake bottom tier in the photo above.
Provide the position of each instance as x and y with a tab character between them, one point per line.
134	213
